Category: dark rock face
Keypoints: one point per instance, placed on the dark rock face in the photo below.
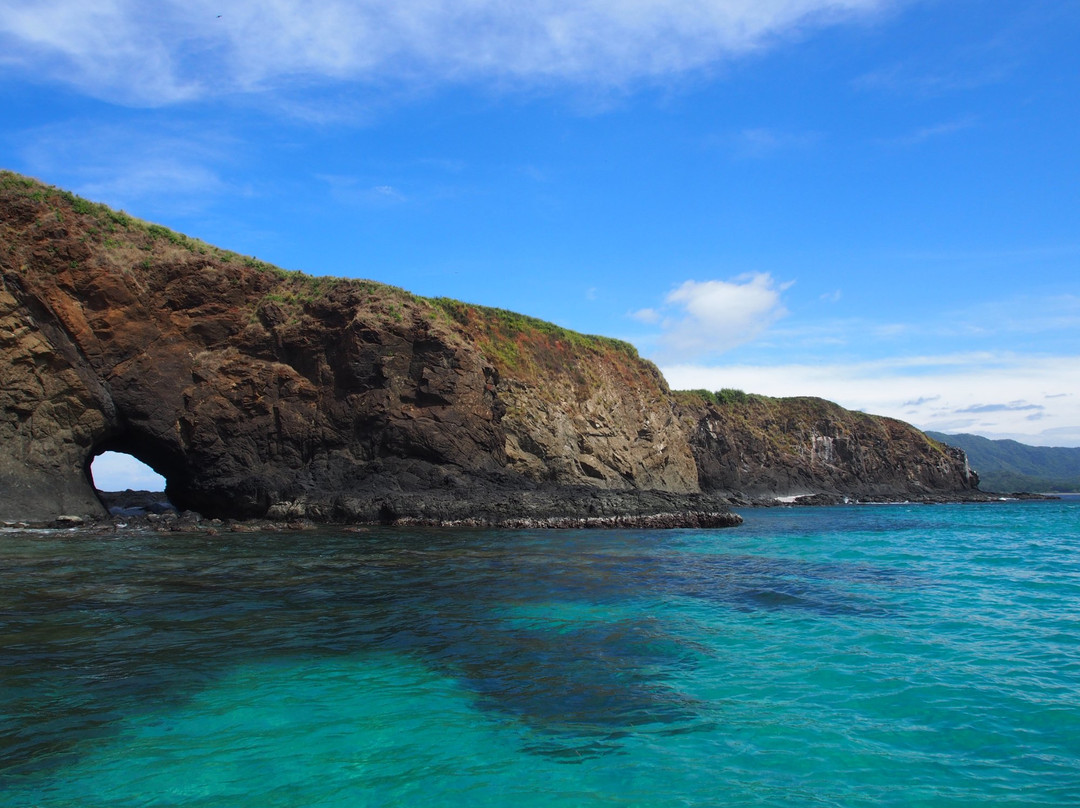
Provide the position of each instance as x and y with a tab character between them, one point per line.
804	447
257	392
260	393
237	406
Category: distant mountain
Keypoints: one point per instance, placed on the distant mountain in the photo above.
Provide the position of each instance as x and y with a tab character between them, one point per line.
1006	465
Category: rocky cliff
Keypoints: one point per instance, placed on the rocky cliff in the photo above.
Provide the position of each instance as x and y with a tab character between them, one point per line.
761	448
259	392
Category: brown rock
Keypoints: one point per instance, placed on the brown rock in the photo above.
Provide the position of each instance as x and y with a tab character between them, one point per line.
805	447
262	393
255	391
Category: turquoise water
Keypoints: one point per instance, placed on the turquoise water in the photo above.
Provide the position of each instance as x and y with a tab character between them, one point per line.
859	656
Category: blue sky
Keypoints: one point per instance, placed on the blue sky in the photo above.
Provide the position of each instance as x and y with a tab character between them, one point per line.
874	201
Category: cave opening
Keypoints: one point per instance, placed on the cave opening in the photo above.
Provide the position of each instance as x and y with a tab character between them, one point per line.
120	471
125	484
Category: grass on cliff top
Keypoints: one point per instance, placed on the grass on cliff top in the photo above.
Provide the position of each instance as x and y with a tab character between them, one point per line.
516	341
723	397
118	228
510	324
736	400
532	349
803	408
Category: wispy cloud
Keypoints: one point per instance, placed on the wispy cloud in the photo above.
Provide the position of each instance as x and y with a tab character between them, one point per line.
348	190
128	167
1052	320
388	192
172	51
112	48
755	143
918	402
392	185
932	132
933	80
960	66
647	316
1016	406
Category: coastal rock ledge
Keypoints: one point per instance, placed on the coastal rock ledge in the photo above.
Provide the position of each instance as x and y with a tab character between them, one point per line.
260	393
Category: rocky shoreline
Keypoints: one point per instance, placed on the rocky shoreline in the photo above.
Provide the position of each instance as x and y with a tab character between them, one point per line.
151	511
539	509
191	522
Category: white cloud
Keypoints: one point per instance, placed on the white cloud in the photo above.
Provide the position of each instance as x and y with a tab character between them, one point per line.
1051	322
171	51
647	316
989	394
111	45
126	167
715	316
147	177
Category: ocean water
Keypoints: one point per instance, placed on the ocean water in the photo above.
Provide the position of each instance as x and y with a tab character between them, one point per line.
852	656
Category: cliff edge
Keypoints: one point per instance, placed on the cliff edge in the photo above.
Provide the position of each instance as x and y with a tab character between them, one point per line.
259	392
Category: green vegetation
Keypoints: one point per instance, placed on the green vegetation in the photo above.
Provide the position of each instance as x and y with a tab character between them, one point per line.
726	397
156	231
511	324
530	347
515	342
1006	465
122	229
704	395
9	179
298	288
729	395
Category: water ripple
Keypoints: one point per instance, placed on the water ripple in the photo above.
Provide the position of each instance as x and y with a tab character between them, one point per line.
897	655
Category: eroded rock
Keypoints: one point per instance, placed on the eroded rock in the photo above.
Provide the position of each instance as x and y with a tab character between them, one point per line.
262	393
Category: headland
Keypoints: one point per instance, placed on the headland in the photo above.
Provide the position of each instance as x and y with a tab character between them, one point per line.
260	393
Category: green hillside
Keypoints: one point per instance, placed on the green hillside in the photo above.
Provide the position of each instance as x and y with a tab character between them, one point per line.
1006	465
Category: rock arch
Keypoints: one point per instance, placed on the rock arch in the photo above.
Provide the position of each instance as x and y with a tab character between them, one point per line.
243	395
